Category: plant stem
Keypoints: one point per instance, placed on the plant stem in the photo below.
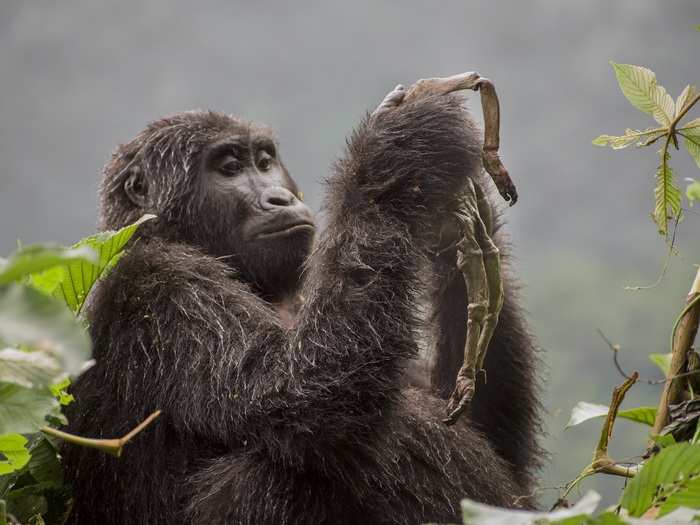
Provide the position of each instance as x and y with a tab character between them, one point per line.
113	447
682	337
672	127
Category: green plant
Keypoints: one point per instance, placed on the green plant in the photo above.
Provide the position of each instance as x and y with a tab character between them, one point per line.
43	344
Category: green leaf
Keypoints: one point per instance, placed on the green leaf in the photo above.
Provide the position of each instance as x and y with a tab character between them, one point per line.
686	493
32	259
667	196
663	361
639	85
13	447
31	318
77	278
44	465
23	410
663	440
658	476
691	135
692	191
30	369
583	411
60	392
631	136
686	96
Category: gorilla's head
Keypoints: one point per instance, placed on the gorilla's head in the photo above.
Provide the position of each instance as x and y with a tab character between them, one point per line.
217	183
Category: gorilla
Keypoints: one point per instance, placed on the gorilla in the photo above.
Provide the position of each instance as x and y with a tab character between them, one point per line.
302	377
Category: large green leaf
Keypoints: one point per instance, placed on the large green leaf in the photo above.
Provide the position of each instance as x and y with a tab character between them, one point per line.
658	476
583	411
631	136
23	410
14	448
691	134
685	98
28	317
667	196
74	281
32	259
639	85
30	369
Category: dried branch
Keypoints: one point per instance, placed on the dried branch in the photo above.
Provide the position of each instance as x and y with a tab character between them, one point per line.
602	463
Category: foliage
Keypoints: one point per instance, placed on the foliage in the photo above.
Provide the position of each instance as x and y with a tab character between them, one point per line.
584	411
580	514
665	484
42	345
640	87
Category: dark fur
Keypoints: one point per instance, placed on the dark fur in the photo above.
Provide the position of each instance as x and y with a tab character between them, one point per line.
263	423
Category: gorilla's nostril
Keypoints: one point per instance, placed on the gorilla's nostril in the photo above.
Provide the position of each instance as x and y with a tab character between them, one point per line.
277	197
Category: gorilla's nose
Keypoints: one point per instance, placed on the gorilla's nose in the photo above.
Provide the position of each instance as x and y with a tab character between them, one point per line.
277	197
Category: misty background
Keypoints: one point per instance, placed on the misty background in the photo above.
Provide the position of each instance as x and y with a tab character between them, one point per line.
78	77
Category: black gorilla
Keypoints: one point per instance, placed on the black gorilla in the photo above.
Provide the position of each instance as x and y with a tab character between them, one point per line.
288	373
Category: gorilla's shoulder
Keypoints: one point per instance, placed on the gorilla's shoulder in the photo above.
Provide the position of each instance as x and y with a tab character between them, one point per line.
156	269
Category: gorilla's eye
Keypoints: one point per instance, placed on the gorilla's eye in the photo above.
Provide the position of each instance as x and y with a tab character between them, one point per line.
231	167
264	161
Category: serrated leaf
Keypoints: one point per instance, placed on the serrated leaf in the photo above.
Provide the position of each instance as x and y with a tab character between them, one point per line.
78	277
686	96
14	448
663	361
672	464
666	108
31	318
29	369
32	259
692	192
639	85
22	410
691	138
44	465
667	196
631	136
584	411
692	127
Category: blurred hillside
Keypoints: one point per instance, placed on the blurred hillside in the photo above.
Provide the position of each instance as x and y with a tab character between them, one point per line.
78	77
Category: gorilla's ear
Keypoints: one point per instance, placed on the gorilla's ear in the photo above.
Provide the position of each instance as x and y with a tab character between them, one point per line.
136	187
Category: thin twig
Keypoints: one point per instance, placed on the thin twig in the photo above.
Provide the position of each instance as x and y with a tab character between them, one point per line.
113	447
616	348
667	261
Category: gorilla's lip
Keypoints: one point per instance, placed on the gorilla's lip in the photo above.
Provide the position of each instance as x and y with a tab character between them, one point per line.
288	229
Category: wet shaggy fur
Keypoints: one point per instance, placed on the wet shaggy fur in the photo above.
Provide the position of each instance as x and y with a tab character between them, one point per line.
313	423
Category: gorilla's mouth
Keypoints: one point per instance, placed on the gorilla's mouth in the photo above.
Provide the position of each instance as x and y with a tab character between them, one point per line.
287	229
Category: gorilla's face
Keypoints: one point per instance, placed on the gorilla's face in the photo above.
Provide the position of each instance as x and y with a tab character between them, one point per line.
250	211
